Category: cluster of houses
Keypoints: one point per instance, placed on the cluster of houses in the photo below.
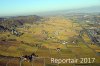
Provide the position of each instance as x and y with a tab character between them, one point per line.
93	34
16	33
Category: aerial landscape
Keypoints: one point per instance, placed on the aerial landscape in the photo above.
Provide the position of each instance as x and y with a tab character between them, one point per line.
50	33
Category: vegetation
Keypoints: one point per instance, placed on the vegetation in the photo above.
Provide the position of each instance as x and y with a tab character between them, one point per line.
43	35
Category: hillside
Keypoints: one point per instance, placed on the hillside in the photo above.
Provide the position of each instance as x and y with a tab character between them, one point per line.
53	31
44	38
13	22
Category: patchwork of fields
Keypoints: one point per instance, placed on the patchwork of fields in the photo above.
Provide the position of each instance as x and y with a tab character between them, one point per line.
43	39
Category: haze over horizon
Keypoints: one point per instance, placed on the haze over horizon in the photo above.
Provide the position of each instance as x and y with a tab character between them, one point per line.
27	7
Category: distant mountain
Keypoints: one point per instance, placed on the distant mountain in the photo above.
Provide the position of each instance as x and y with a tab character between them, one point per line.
93	9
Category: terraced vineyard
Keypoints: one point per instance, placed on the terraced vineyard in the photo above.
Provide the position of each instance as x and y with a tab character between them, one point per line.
43	38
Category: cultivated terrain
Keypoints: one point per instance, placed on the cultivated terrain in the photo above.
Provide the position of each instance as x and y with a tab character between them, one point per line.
67	36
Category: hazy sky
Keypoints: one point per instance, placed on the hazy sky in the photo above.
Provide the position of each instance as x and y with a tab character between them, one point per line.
17	7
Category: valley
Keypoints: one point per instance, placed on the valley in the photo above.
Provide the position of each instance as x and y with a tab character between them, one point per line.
49	37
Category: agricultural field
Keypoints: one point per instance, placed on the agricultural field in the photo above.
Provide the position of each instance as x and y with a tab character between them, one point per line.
51	37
